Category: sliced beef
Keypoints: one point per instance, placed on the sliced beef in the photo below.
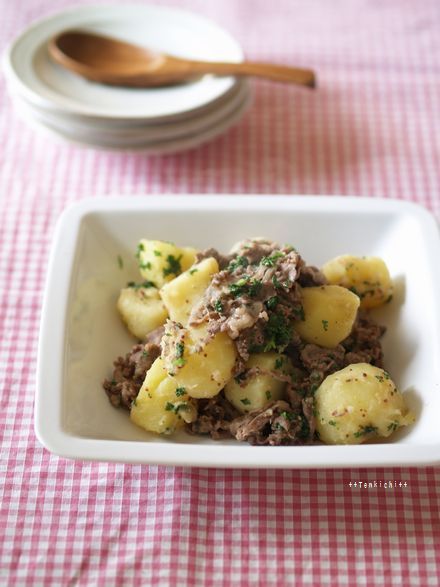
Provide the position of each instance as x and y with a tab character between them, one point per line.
254	249
363	345
308	408
155	336
322	360
311	276
248	339
129	374
255	299
214	417
275	424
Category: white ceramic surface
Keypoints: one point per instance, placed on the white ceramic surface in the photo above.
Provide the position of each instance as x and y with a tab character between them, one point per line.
179	143
142	133
131	125
81	333
31	72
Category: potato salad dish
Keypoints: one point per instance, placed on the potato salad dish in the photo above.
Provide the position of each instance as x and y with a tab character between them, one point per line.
256	345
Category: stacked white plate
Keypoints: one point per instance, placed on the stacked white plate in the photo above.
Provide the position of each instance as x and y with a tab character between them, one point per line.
159	120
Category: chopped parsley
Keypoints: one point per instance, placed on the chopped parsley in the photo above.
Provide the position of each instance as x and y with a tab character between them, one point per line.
192	271
276	281
362	294
393	426
268	394
146	284
364	430
279	362
146	265
170	407
180	391
140	248
157	253
272	303
255	286
239	261
174	267
278	332
120	262
218	306
245	401
270	261
179	361
238	288
245	286
325	324
332	423
305	428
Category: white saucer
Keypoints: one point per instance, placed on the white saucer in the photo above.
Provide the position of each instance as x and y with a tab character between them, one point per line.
97	130
156	147
32	74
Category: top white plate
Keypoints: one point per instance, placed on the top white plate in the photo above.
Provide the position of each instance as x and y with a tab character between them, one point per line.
81	332
43	83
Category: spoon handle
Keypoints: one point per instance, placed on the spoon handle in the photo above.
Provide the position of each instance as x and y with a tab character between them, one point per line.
278	73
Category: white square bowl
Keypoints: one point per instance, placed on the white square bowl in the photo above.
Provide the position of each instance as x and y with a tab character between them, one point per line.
81	333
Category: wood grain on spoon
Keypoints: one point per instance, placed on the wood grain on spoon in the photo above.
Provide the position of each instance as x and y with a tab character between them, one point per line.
110	61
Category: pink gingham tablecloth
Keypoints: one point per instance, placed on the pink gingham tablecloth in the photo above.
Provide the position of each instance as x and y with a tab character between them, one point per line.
372	128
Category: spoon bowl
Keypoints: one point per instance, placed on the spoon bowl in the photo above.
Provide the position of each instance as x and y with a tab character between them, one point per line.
111	61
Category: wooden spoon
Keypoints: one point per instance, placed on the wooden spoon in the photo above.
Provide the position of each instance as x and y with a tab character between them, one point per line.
110	61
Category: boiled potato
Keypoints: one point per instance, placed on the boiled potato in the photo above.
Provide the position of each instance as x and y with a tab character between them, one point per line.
161	405
160	261
182	293
200	364
262	388
141	309
188	257
329	314
368	277
358	403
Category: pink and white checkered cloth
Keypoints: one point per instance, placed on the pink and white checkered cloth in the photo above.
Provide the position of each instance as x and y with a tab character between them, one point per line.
372	128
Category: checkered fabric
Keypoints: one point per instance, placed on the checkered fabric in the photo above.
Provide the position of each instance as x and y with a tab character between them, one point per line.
371	128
